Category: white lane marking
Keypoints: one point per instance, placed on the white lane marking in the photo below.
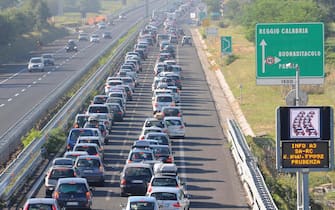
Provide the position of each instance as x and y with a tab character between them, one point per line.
10	99
34	82
39	79
29	86
11	77
23	90
17	94
2	105
44	75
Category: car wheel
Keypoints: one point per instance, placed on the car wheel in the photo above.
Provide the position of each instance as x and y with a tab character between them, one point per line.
122	194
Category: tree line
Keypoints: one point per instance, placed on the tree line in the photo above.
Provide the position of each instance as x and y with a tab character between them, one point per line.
250	12
18	17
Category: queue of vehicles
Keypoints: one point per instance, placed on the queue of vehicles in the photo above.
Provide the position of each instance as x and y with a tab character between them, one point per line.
150	176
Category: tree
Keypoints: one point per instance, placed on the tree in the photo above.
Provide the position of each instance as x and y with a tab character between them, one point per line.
8	3
274	11
213	5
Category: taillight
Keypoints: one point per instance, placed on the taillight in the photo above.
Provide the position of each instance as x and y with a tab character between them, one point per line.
97	155
68	147
119	112
88	195
181	127
156	104
56	195
123	182
149	188
172	104
142	137
26	207
169	159
101	169
54	207
179	114
177	205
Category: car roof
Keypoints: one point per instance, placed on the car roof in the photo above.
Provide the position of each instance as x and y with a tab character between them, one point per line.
136	164
141	198
76	152
89	156
165	189
72	180
41	200
173	118
86	144
156	134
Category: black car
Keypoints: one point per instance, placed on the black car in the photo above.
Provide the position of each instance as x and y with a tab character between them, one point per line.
73	193
134	179
71	46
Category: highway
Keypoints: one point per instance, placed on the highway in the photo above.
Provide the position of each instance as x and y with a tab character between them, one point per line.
203	157
21	91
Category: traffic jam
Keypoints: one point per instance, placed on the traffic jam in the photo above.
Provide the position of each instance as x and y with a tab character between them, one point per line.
149	178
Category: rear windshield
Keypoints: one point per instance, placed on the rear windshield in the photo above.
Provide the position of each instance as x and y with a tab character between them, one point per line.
40	206
98	109
90	150
88	162
166	182
142	205
160	139
82	132
164	99
61	173
138	171
171	112
173	122
164	196
138	156
99	100
159	151
72	188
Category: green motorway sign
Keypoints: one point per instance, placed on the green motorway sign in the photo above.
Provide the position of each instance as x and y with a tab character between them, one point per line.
281	48
226	45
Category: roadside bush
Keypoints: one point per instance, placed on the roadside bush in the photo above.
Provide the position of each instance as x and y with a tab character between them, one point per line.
230	59
55	140
32	135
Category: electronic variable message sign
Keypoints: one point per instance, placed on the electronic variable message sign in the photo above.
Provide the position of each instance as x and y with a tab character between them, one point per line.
305	138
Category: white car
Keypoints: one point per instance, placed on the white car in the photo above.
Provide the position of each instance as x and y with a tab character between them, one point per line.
162	100
152	129
141	202
48	59
36	63
94	38
176	126
170	198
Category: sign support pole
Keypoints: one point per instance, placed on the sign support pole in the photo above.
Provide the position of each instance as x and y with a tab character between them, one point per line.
302	176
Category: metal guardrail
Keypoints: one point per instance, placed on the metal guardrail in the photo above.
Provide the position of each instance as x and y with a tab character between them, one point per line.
21	168
248	170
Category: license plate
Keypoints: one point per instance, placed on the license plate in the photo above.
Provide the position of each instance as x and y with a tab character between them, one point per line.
72	203
137	181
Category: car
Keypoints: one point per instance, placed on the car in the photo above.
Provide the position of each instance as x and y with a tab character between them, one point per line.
143	144
101	25
122	16
110	84
48	59
162	100
80	120
152	129
71	46
118	101
154	122
166	169
41	203
173	39
91	139
91	168
54	173
162	153
161	138
101	126
170	198
176	127
99	99
141	202
83	36
140	155
74	133
134	179
119	94
171	111
74	154
73	193
165	181
62	161
90	148
107	35
175	92
36	64
94	38
186	40
101	108
118	111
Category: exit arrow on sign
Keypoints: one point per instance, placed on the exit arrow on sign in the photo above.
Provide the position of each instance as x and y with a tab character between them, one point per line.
226	45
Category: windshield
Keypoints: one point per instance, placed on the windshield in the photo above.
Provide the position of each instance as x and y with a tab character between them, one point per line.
142	205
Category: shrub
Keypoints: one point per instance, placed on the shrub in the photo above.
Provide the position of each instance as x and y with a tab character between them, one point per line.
55	140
